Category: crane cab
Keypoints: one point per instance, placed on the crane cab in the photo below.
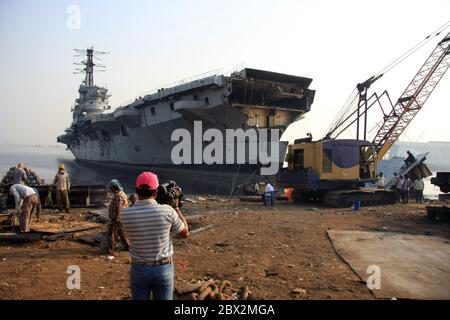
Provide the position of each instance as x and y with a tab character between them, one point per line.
328	164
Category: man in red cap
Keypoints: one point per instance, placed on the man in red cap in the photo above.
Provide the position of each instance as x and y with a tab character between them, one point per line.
148	226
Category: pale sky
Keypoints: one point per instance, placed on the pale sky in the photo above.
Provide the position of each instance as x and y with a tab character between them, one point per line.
152	43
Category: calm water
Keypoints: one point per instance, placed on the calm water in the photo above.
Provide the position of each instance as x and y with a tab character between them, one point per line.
44	160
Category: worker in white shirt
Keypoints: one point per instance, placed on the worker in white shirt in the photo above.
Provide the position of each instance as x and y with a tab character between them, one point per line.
30	204
269	193
256	188
393	182
418	186
381	181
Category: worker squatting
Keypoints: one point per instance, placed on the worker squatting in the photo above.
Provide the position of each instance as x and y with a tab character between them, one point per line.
263	147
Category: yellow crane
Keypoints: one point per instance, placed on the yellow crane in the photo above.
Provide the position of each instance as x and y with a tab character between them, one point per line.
334	170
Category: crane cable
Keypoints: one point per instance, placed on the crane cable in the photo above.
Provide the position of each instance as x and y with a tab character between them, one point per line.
415	48
347	107
343	113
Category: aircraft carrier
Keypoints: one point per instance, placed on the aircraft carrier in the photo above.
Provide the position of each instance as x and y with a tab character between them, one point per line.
139	132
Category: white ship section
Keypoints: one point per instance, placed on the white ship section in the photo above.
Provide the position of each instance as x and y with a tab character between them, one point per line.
140	132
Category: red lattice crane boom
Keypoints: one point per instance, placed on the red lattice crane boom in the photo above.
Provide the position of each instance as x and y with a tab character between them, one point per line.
413	98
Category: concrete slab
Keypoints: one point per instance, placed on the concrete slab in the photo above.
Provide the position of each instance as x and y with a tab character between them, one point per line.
412	266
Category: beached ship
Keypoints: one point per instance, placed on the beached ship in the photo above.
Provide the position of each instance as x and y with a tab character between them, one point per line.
139	132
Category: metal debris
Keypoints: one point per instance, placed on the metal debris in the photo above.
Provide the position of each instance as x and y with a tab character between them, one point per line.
214	290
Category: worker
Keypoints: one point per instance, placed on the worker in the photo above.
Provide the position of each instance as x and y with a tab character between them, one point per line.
30	204
381	181
32	178
62	184
410	159
256	188
269	193
115	228
419	185
393	182
20	176
398	188
406	187
148	226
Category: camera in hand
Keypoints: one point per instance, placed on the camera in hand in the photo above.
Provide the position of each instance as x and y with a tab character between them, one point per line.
170	193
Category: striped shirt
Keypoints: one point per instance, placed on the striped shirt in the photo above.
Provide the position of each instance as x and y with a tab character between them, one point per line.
148	226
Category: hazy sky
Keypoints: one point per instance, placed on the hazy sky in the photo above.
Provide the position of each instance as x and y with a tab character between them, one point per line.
152	43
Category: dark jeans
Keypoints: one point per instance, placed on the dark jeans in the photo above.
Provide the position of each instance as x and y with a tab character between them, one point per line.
398	194
419	196
148	279
269	198
405	196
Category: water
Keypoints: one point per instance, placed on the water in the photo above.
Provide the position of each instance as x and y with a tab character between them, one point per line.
44	160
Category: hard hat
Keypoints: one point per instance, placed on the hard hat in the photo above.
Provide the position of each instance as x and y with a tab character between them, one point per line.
115	183
61	166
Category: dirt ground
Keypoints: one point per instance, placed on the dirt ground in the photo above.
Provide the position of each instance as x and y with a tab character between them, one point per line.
273	250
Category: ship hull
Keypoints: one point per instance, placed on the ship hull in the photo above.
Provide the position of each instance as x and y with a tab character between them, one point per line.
194	179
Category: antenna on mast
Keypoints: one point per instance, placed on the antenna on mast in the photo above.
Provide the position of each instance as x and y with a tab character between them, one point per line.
89	64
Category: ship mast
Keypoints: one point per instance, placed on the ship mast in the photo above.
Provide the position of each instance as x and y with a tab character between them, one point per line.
89	64
89	69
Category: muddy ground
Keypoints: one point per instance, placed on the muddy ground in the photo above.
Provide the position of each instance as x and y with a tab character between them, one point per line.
273	250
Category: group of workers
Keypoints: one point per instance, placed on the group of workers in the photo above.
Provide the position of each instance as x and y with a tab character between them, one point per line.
21	175
403	186
26	197
145	228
